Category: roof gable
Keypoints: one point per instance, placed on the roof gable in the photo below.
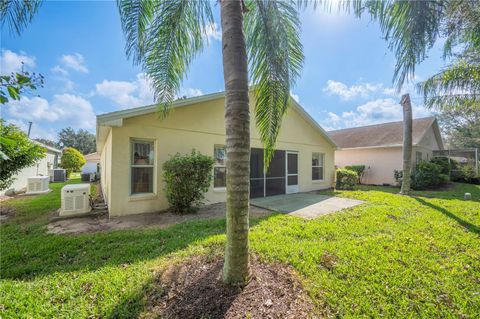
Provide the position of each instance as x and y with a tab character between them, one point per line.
384	135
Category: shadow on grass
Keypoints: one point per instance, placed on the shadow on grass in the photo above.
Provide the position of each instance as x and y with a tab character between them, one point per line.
28	252
465	224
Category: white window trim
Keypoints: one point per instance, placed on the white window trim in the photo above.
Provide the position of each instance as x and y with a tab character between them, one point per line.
219	189
148	195
322	166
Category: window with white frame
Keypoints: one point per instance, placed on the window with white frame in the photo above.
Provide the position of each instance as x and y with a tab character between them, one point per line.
318	160
142	166
220	167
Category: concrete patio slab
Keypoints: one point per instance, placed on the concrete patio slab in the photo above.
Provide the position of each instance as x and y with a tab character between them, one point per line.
328	206
306	205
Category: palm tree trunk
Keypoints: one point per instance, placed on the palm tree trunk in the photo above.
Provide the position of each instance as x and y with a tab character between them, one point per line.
237	121
407	144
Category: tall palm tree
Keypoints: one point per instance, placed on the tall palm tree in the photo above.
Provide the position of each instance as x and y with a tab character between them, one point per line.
164	36
407	144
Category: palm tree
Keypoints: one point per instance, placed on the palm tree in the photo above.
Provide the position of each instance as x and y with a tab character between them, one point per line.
17	14
407	144
164	36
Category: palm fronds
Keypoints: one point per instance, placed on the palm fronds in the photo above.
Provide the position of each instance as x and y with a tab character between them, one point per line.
272	31
17	14
164	36
455	87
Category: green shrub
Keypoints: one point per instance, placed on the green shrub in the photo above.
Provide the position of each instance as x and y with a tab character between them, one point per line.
18	152
187	179
346	179
464	174
72	160
426	175
359	169
445	164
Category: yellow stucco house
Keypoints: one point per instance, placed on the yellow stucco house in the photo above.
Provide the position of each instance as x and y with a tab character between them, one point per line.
380	147
133	145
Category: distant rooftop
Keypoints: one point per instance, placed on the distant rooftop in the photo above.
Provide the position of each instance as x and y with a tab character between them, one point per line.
380	135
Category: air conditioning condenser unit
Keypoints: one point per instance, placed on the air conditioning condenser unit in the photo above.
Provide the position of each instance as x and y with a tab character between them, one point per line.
57	175
75	199
37	185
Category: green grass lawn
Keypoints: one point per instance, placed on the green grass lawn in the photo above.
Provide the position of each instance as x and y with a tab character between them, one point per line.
394	256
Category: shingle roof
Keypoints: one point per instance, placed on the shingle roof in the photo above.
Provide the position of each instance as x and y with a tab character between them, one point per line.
92	157
380	135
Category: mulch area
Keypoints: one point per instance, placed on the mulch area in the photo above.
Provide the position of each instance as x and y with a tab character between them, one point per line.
194	289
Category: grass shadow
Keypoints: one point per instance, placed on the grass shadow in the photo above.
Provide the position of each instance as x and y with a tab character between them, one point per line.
28	252
465	224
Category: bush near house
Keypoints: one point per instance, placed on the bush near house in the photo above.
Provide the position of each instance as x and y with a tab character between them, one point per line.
346	179
465	174
359	169
427	175
18	152
187	179
72	160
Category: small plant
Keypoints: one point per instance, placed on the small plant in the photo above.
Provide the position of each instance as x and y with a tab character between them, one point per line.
187	179
346	179
359	169
72	160
398	176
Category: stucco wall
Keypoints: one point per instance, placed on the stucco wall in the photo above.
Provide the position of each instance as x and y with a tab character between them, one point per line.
200	127
40	168
379	163
427	144
106	168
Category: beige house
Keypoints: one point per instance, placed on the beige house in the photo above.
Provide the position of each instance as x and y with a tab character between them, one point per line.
379	147
133	144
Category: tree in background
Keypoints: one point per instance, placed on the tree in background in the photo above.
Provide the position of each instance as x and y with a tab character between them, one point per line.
164	37
461	127
407	144
18	152
47	142
82	140
72	160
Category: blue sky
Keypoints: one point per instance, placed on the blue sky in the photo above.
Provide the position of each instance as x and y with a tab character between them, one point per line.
79	48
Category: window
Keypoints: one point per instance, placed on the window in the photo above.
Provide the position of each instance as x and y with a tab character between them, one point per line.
418	157
317	166
142	166
220	167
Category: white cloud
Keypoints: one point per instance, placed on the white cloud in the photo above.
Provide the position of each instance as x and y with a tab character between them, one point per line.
74	62
59	70
213	32
372	112
36	131
190	92
127	94
13	62
66	109
349	92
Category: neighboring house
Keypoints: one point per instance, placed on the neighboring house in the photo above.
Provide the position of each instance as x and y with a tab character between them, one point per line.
379	147
41	168
91	164
133	145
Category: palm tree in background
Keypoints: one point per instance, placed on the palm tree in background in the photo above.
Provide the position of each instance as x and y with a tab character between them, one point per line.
411	29
164	37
